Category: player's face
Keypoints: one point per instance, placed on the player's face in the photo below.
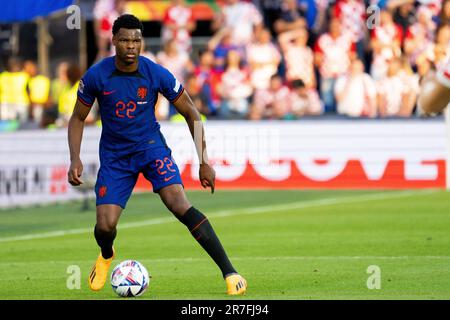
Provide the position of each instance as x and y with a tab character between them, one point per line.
128	45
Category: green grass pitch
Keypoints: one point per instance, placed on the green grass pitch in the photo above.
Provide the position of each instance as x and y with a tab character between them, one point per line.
288	245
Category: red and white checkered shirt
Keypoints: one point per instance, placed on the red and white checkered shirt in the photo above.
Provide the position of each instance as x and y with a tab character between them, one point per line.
180	16
352	15
424	37
241	17
267	99
387	34
235	83
336	58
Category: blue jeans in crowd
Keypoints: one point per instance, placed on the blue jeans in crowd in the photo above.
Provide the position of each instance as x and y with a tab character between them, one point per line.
327	94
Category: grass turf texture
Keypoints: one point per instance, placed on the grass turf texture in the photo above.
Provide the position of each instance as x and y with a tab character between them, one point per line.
288	245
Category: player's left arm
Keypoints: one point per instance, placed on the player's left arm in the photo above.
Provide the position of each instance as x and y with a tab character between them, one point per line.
185	106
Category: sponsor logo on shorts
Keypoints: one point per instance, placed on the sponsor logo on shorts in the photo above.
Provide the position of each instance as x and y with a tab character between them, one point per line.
102	191
168	178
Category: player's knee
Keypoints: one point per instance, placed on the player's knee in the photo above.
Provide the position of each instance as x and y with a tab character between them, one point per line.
175	199
105	227
178	208
107	219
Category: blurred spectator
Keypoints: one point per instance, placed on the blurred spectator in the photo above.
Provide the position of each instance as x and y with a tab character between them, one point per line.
240	18
198	97
179	64
352	15
263	58
234	88
356	92
105	12
435	6
411	83
39	92
14	95
441	48
384	4
425	63
404	14
420	35
58	85
386	44
392	92
293	45
444	16
68	98
270	10
178	23
304	101
221	44
176	61
208	78
240	63
271	103
145	52
310	9
322	17
101	9
291	17
333	52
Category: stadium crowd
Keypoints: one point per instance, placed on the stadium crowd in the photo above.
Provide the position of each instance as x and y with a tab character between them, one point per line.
282	59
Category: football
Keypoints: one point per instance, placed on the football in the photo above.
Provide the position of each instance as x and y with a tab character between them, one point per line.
129	279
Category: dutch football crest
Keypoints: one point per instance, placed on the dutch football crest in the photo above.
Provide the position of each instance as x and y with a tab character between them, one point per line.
142	92
102	191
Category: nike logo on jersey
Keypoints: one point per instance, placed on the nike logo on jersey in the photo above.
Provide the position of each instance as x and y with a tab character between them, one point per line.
105	93
167	179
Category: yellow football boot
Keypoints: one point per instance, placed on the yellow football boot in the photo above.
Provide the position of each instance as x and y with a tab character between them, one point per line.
236	284
99	273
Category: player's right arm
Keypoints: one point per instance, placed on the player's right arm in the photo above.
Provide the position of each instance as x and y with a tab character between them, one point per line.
86	95
75	134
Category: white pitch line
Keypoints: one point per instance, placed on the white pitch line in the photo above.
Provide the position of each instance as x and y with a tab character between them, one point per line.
228	213
245	259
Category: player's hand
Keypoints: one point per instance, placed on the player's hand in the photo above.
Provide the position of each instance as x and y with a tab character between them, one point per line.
207	176
75	171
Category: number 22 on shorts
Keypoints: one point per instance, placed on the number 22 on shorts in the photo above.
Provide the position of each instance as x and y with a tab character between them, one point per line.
167	163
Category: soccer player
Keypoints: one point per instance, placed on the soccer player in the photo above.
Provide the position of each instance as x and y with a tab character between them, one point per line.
126	87
435	90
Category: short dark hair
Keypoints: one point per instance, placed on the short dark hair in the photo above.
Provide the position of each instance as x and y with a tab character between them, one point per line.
298	83
127	21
